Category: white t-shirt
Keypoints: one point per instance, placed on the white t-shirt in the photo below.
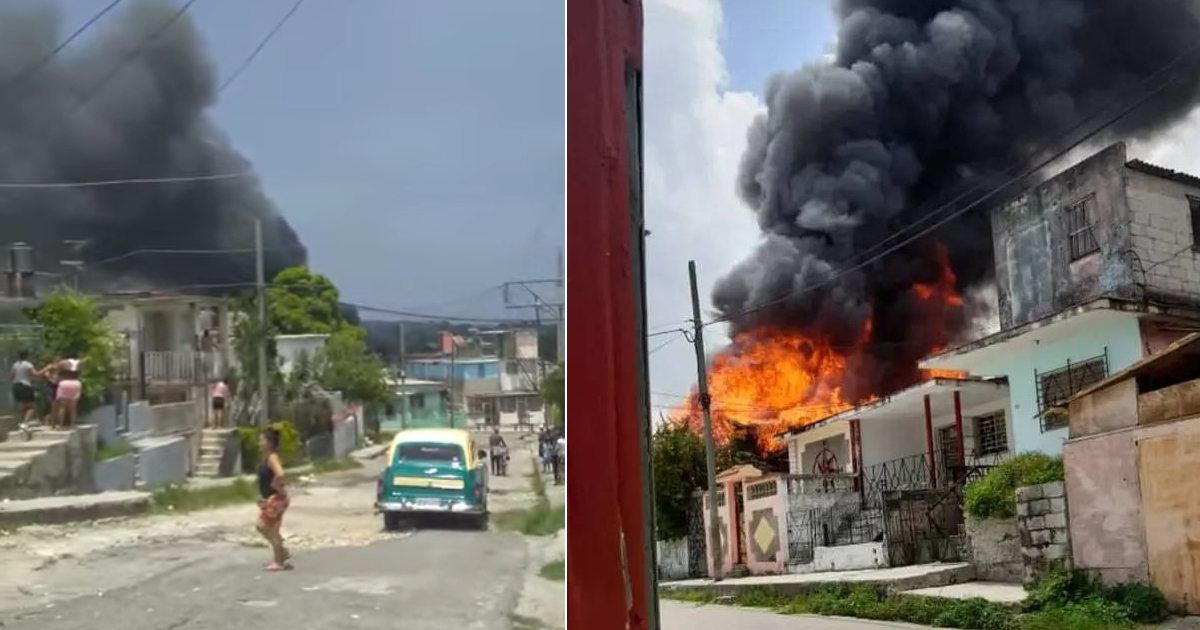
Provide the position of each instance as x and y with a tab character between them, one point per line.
561	446
22	372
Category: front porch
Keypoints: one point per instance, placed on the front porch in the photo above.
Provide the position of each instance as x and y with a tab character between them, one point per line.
873	487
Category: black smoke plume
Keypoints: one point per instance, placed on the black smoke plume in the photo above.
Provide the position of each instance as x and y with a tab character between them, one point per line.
923	100
65	122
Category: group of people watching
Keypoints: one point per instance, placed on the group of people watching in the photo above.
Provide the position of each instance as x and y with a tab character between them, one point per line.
552	447
63	383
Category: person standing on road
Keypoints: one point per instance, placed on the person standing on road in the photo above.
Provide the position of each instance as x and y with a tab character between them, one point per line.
499	452
274	499
22	387
560	458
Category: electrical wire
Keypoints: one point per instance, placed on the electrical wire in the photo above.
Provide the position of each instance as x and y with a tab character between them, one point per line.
45	60
974	204
261	45
125	182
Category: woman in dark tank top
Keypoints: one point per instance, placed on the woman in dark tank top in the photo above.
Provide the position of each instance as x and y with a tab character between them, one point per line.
274	499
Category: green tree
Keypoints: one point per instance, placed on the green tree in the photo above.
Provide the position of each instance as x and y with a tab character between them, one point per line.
301	302
677	459
554	392
346	365
72	326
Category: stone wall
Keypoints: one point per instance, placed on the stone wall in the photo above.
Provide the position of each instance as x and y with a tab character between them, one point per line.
118	473
1042	526
994	545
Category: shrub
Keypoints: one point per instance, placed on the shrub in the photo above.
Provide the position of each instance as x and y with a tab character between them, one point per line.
1062	587
1089	614
994	496
1145	604
291	447
248	436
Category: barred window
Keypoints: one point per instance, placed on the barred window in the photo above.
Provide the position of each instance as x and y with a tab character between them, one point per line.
990	434
1194	213
1057	387
1079	228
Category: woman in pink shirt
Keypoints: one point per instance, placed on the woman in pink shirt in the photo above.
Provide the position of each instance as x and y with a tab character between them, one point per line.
220	402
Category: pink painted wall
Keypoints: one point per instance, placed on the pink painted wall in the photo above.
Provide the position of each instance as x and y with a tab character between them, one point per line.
777	504
1104	499
728	535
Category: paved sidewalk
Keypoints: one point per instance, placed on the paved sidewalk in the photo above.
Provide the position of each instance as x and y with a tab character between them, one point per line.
683	616
894	579
997	592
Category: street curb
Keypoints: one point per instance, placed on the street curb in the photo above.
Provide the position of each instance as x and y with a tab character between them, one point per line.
54	511
892	585
370	452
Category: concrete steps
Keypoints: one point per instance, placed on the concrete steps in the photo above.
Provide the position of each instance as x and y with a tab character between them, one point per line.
213	445
21	457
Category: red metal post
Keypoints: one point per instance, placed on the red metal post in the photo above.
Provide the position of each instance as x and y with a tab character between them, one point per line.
856	455
610	561
929	443
958	434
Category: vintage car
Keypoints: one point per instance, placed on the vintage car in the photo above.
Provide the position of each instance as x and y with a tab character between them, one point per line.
433	471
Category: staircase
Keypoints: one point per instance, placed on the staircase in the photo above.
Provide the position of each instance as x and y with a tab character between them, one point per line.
213	447
44	465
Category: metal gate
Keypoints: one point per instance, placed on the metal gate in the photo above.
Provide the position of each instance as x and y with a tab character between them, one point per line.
697	547
923	526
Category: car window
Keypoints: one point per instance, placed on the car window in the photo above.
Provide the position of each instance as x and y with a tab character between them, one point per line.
430	453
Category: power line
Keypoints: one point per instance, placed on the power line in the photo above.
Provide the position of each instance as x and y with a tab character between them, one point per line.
88	96
1026	173
124	182
45	60
182	252
261	45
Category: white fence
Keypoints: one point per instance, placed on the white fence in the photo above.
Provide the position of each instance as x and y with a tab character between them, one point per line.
184	366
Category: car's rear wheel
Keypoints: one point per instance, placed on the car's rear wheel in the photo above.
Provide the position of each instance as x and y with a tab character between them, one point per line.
391	521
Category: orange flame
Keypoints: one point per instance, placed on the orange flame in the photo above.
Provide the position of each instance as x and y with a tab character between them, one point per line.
776	380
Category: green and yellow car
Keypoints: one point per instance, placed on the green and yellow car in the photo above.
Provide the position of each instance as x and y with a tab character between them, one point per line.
433	471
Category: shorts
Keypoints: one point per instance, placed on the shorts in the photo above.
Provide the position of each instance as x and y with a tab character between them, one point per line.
218	404
23	393
271	509
68	390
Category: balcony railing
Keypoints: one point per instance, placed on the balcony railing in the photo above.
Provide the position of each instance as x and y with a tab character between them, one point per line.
185	366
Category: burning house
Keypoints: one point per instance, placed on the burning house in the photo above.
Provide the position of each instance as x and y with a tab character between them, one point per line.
881	182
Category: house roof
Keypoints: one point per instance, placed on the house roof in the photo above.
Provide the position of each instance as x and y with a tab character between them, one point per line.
738	473
1062	324
974	393
149	298
1163	172
1185	350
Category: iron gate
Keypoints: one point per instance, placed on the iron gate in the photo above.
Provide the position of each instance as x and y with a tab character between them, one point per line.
923	526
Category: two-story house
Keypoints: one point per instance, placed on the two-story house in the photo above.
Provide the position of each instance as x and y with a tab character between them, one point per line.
1096	268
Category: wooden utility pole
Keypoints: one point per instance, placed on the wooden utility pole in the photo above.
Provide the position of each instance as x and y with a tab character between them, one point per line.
710	448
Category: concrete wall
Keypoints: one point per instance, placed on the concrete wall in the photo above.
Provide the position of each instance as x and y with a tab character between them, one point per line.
63	468
1042	526
119	473
1030	242
850	557
673	559
725	523
995	549
345	435
765	524
1160	222
1116	334
105	420
162	460
1109	409
289	348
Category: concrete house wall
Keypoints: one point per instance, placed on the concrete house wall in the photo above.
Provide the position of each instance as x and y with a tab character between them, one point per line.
1161	226
1031	244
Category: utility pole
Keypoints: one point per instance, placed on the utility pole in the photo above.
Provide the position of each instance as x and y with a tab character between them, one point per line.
453	377
401	372
710	448
560	329
264	411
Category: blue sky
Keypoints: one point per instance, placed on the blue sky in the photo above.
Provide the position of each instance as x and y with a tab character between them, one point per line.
765	36
417	147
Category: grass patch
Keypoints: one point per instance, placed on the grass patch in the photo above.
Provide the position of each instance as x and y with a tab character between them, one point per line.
173	498
335	465
106	452
1064	600
540	520
556	571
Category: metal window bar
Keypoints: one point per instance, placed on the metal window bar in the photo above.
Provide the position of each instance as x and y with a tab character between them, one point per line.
840	525
762	489
991	434
1082	239
1056	387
